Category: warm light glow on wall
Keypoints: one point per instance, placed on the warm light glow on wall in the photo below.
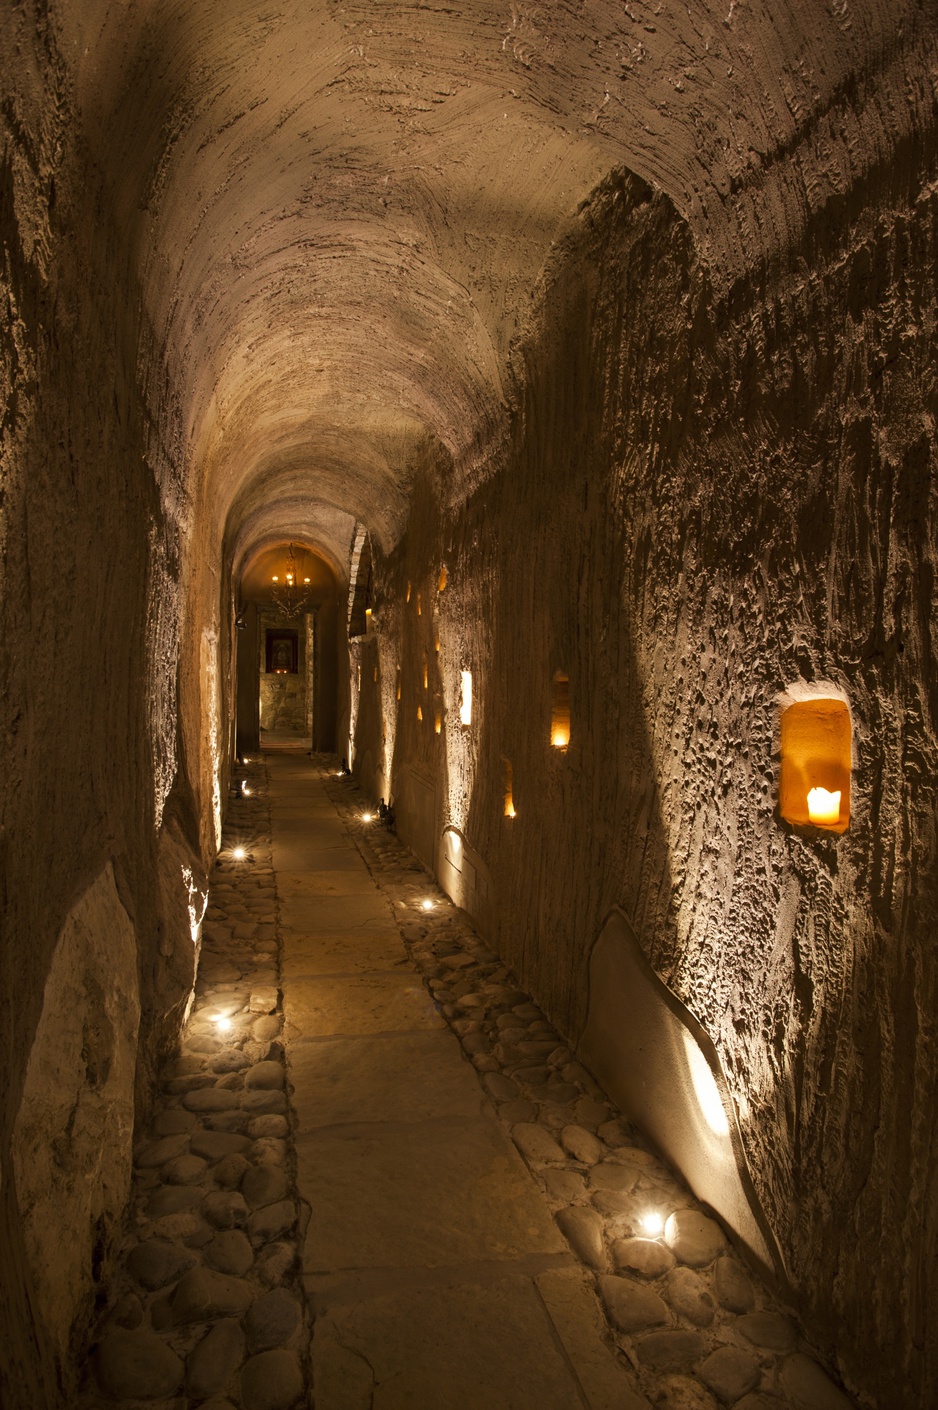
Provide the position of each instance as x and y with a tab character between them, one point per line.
465	703
419	713
814	786
436	646
441	584
437	722
419	605
407	598
508	789
426	672
211	698
560	711
706	1089
398	682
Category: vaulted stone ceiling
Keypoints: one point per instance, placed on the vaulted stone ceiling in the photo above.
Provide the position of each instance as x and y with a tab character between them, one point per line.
339	213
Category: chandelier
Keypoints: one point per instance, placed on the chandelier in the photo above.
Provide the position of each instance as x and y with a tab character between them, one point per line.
290	590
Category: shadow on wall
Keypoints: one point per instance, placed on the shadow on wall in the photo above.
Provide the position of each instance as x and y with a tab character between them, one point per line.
603	550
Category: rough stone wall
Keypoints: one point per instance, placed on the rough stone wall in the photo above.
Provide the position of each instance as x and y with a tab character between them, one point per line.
74	1128
89	639
705	501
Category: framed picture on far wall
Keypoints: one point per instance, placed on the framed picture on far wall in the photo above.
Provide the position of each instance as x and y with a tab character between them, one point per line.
283	652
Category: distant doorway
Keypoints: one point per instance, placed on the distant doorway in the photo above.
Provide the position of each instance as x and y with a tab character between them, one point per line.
287	650
286	686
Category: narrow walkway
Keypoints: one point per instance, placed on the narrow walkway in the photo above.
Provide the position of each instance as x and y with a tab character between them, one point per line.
485	1230
435	1272
366	1107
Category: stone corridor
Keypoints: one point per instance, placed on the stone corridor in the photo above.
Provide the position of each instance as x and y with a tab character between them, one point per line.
377	1179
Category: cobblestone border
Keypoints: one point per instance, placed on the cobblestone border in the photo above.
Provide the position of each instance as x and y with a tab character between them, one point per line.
208	1308
698	1330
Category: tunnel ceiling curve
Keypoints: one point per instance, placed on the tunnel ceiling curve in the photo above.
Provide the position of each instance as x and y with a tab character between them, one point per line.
339	213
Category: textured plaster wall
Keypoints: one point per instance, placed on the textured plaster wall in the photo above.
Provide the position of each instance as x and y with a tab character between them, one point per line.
93	782
706	499
74	1128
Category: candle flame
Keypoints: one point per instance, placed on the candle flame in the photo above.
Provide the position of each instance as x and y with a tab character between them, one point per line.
824	807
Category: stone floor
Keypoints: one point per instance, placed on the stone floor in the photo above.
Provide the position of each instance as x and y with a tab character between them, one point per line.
390	1184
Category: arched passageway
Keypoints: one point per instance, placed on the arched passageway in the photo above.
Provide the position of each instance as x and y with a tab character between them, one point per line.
287	649
605	338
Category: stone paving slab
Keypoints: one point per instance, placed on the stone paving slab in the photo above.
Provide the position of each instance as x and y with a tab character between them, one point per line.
419	1349
322	859
292	801
308	914
398	1077
295	857
350	881
342	952
307	823
418	1194
368	1003
575	1314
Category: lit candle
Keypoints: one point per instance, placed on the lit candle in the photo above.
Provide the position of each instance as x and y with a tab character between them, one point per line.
560	736
824	807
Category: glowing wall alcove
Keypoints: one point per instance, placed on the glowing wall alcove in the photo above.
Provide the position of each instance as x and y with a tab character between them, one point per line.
560	710
816	750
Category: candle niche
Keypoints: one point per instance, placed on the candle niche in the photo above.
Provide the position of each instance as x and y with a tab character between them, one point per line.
442	580
814	787
560	710
465	701
508	806
437	722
